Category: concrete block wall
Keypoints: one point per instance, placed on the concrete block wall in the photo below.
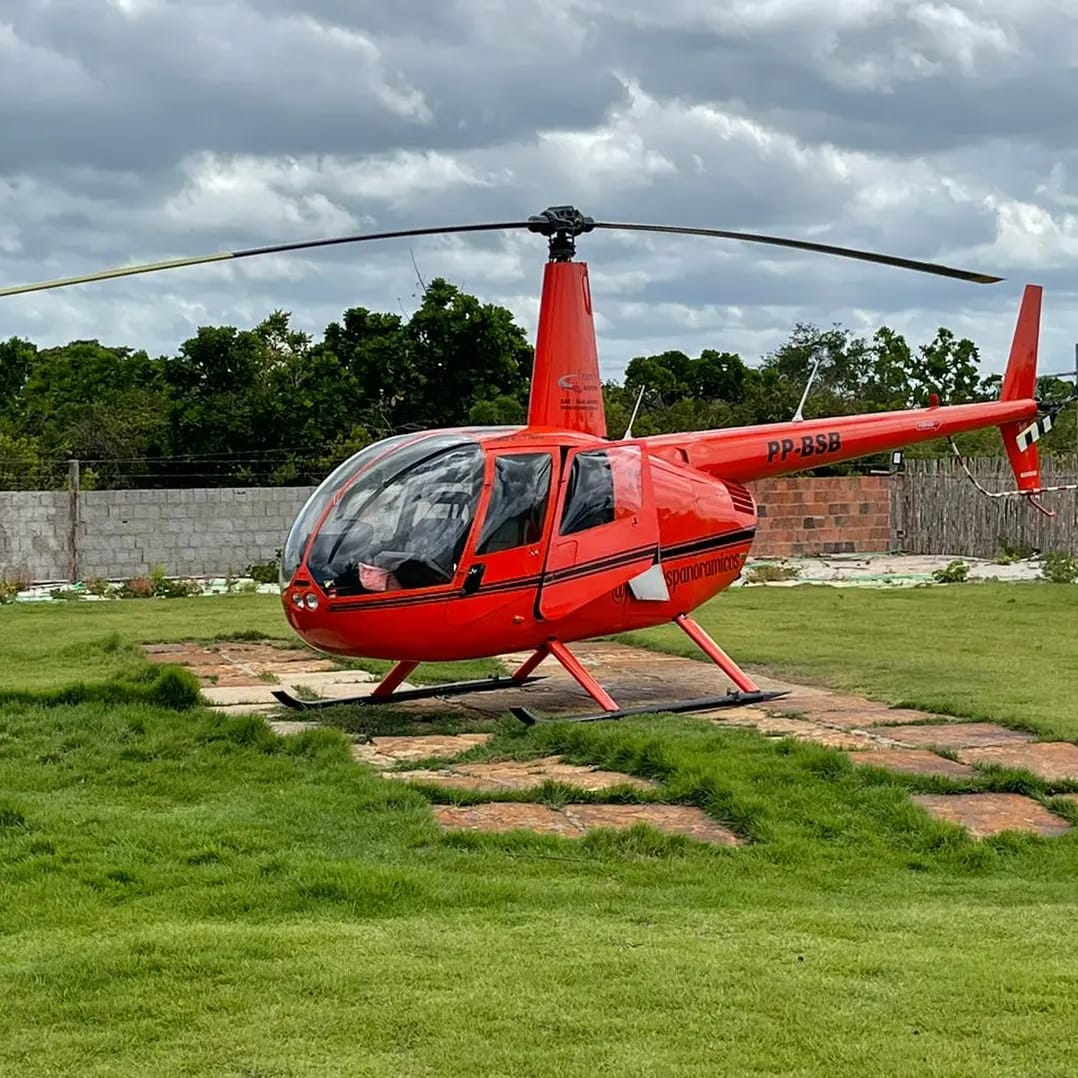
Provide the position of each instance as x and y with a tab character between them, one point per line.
35	533
190	532
124	533
823	515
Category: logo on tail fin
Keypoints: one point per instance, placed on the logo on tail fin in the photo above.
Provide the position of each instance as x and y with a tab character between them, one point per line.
577	383
583	393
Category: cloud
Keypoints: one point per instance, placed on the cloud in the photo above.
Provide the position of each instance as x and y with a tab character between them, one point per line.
144	129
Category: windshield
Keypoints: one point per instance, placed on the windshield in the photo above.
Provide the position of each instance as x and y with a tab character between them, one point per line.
404	522
316	504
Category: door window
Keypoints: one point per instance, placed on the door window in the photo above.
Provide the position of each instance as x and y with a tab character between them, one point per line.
518	502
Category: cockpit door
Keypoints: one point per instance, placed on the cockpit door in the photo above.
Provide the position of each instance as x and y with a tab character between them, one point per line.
505	558
606	528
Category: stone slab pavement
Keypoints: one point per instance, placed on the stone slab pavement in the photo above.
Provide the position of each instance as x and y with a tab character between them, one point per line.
238	676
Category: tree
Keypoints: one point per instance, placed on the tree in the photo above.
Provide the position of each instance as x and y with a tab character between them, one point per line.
948	367
372	376
222	400
95	402
463	352
16	359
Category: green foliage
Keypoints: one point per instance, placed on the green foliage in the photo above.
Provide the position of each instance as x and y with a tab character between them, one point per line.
769	572
1060	567
265	572
954	572
156	586
271	405
1012	550
22	465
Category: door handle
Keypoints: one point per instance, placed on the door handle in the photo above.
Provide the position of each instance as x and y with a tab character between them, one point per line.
474	578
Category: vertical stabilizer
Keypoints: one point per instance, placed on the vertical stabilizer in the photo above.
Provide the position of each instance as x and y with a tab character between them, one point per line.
1020	383
566	392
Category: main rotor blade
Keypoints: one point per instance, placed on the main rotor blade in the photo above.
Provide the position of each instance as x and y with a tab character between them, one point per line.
277	248
807	245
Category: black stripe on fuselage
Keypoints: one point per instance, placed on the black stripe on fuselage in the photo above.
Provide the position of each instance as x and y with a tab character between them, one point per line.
667	553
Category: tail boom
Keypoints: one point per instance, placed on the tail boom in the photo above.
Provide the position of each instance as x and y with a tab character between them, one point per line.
747	453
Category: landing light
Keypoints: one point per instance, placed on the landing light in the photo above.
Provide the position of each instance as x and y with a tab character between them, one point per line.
312	601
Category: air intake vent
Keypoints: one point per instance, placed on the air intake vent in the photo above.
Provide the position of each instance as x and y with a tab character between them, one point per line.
742	499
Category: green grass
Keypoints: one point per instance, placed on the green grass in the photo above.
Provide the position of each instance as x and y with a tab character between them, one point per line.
995	652
184	893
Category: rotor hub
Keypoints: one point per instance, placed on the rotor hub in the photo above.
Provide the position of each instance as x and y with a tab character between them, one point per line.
562	225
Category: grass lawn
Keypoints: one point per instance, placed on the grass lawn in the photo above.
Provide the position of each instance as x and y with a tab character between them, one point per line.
998	652
183	893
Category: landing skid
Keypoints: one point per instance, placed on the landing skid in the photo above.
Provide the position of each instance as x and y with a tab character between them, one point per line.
453	688
704	703
745	693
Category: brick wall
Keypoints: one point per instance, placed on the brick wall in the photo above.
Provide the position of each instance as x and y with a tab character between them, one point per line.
823	515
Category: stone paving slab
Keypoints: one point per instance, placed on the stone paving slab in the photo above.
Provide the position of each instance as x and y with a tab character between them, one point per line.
873	731
247	709
290	729
237	663
576	820
230	695
914	762
670	819
953	735
802	729
507	816
1053	761
989	814
339	684
499	775
326	680
386	752
837	709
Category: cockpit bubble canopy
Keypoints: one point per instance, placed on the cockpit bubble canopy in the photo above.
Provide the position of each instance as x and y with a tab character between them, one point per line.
399	515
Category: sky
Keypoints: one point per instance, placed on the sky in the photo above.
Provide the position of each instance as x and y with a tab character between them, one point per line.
136	130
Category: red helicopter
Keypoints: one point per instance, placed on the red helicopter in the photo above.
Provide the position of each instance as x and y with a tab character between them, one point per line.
477	541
